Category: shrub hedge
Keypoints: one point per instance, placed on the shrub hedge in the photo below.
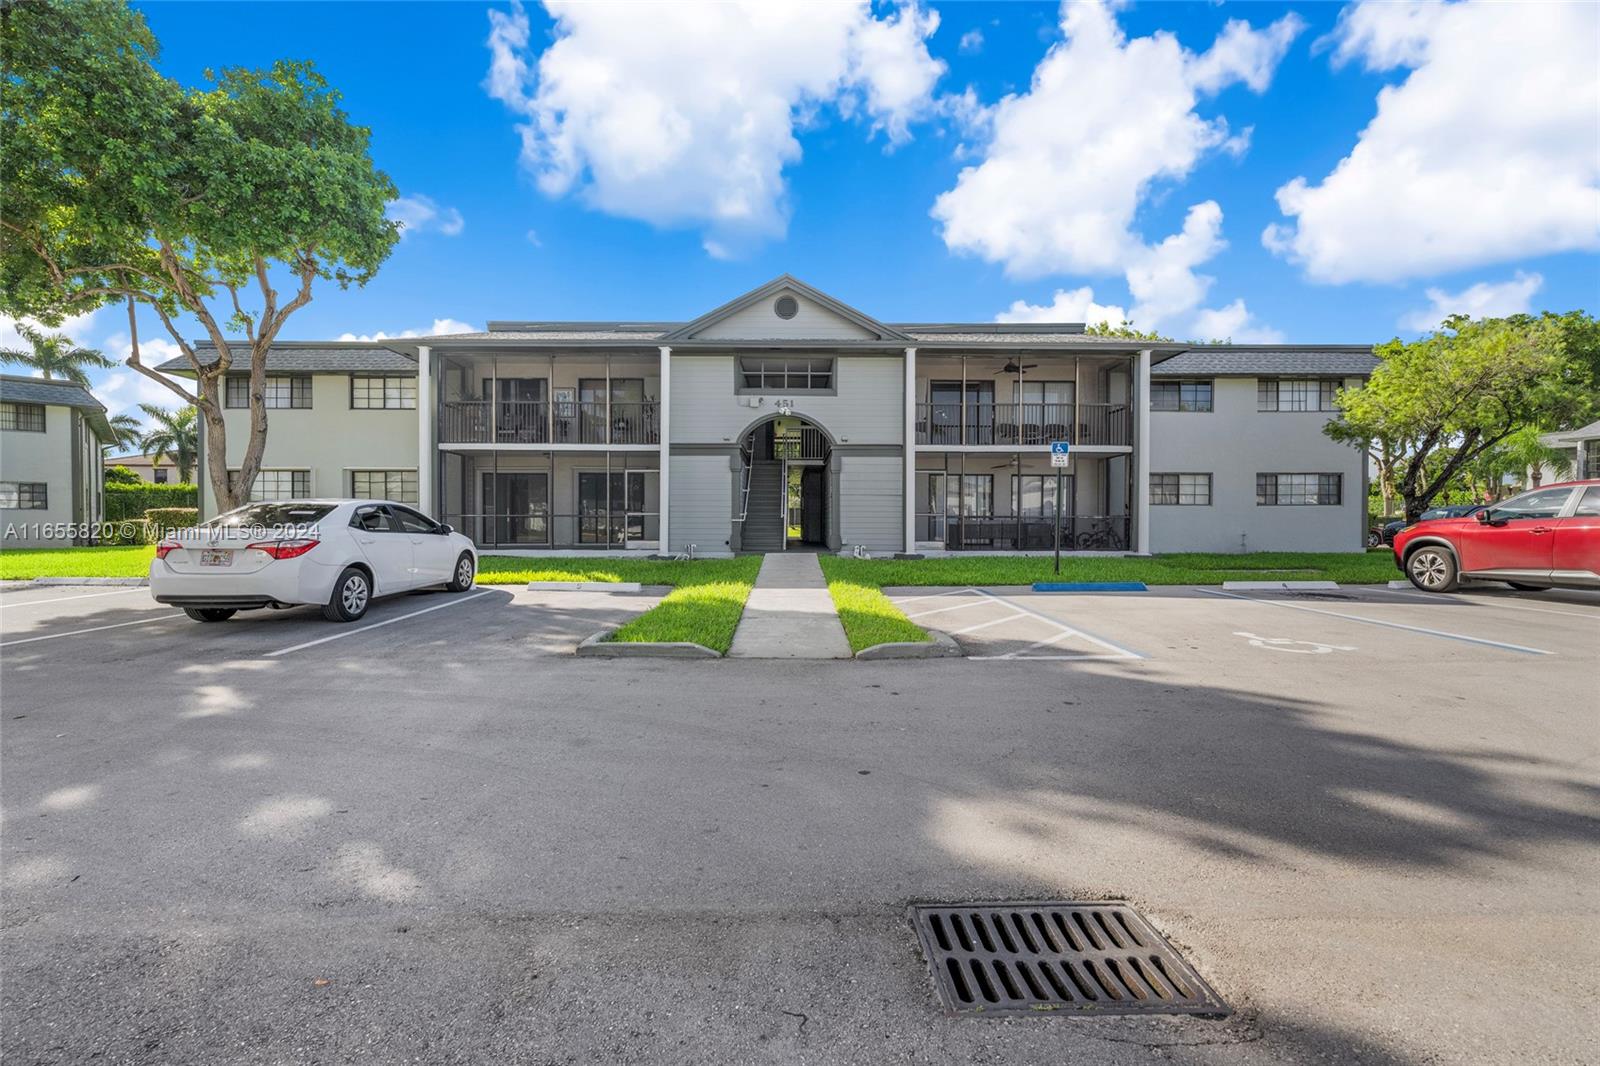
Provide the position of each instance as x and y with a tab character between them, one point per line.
130	502
163	518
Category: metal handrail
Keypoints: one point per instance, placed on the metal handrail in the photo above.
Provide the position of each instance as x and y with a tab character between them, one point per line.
745	466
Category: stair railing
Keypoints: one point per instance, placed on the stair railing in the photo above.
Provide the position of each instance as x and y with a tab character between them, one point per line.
745	466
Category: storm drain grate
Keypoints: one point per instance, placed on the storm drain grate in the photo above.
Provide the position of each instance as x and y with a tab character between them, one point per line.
1027	958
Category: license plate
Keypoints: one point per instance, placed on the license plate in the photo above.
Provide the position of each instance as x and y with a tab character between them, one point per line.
216	557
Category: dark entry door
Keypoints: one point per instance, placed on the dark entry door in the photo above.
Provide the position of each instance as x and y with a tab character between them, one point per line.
516	508
813	505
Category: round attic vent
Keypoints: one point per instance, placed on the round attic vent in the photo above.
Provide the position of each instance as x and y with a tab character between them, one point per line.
786	307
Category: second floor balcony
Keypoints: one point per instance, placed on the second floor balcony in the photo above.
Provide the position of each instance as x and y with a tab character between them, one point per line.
979	423
546	422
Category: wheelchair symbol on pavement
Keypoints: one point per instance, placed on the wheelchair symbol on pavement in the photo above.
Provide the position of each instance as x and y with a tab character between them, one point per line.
1298	647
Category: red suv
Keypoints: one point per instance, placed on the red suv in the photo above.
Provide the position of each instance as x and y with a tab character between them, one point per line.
1544	539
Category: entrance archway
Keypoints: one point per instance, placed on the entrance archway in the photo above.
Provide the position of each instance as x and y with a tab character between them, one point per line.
786	499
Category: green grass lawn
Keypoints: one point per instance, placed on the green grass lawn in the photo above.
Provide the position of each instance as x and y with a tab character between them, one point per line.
704	605
1193	568
868	616
22	564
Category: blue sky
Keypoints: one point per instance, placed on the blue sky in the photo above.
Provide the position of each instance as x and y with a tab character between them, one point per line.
1082	186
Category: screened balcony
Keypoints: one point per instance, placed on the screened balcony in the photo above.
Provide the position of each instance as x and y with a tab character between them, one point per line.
543	400
1023	401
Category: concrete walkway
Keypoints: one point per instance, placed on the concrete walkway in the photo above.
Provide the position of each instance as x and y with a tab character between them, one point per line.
789	614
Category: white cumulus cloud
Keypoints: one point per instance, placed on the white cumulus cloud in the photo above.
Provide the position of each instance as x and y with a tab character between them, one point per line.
1483	300
1489	150
1066	165
441	327
1068	305
421	214
685	114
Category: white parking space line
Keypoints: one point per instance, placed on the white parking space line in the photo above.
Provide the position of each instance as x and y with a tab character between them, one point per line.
1119	651
376	625
1380	622
941	610
63	599
934	596
986	625
1423	597
91	629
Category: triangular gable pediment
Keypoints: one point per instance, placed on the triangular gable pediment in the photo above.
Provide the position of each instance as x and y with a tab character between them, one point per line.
785	308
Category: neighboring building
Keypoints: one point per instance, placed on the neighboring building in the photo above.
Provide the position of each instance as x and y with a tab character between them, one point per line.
149	468
51	433
1583	449
786	418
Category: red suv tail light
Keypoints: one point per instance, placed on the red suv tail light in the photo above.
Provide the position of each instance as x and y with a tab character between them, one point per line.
285	549
166	548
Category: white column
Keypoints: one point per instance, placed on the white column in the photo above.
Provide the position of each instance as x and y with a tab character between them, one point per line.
426	459
1141	456
911	451
664	478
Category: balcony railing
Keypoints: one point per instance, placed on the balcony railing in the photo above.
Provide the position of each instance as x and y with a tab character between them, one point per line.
541	528
1023	424
542	422
807	443
1024	532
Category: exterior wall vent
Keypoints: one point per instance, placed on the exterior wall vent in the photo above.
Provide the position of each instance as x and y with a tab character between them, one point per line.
786	307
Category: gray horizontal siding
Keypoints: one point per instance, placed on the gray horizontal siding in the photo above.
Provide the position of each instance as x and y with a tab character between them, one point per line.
868	407
870	512
701	502
760	322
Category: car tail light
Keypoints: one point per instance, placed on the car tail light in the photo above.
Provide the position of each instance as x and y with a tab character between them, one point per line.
166	548
285	549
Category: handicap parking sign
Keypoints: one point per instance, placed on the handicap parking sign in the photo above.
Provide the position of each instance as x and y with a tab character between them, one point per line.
1059	452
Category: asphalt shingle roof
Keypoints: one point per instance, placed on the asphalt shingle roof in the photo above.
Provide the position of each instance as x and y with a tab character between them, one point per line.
17	389
308	358
1251	361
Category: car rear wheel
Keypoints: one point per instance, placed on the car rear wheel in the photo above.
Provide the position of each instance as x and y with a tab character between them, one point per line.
210	614
1432	569
352	594
1374	539
462	581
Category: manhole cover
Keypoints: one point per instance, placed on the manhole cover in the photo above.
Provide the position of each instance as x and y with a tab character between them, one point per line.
1031	958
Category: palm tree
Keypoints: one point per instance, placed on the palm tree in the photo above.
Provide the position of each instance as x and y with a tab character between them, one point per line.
176	435
54	355
126	432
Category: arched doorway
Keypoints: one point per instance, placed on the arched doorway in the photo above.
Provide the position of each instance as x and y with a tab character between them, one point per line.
785	500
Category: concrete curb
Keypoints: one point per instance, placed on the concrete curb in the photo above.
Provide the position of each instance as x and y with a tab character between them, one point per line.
584	586
601	646
939	646
127	582
1280	585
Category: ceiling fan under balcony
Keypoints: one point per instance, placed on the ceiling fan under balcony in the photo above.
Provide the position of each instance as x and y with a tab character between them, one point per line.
1013	367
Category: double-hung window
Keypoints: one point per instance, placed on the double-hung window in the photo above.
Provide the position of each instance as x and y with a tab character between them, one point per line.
24	495
27	417
1180	396
1181	490
378	392
1299	490
281	391
1296	394
280	485
778	373
397	485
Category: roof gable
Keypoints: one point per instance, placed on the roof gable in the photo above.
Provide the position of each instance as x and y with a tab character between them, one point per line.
754	316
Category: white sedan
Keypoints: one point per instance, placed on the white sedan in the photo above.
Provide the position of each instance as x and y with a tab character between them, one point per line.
337	554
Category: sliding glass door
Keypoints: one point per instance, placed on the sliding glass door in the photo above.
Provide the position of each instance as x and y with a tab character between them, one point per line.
516	509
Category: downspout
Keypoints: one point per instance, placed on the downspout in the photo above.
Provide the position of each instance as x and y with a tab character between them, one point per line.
909	493
425	419
664	477
1142	456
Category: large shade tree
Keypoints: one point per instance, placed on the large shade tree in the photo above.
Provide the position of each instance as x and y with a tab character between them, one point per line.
124	187
1441	403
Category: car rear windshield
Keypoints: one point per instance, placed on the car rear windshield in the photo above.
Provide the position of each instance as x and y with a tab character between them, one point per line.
272	514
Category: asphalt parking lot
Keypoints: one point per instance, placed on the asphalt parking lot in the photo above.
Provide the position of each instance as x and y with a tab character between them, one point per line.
1370	818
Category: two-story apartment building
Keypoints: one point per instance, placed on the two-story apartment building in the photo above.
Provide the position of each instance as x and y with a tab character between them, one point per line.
787	419
51	489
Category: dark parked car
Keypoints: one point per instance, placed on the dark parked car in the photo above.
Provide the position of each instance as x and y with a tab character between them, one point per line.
1455	510
1547	538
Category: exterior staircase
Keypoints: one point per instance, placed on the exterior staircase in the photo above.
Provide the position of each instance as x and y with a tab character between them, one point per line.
764	521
